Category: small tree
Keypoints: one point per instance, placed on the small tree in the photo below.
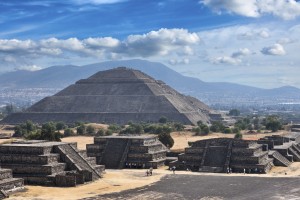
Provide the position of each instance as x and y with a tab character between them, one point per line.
163	120
227	130
48	132
68	132
234	112
100	132
238	136
166	139
60	126
90	130
80	130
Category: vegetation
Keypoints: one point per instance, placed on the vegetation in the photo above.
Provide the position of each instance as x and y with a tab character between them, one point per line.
234	112
163	120
28	130
238	136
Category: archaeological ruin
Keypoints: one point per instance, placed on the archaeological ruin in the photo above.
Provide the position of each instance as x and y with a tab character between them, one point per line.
223	154
49	163
117	152
8	183
117	96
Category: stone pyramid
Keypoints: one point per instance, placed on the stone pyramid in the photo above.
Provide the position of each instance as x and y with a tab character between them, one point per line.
117	95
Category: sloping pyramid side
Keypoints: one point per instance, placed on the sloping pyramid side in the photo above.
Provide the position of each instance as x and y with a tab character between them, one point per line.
115	96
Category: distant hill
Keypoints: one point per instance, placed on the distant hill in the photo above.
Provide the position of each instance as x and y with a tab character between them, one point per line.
211	93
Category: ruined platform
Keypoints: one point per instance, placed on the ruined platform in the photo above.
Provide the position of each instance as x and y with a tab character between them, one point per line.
49	163
119	152
117	96
223	154
9	184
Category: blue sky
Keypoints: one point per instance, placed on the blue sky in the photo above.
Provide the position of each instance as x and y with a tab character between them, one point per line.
253	42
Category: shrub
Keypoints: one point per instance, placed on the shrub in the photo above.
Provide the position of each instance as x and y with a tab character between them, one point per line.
100	132
68	132
90	130
166	139
227	130
163	120
238	136
80	130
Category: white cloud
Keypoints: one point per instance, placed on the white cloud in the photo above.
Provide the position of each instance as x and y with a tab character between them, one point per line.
276	50
29	68
160	42
226	60
241	52
285	9
163	42
184	61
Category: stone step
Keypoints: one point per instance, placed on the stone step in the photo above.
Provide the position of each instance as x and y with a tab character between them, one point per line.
3	194
36	169
11	184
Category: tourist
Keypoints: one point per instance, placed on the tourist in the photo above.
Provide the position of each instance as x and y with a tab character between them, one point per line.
227	170
173	169
244	171
150	171
147	172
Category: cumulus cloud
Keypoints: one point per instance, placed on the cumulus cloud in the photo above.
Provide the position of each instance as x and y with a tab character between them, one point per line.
29	68
178	42
241	52
184	61
285	9
226	60
275	50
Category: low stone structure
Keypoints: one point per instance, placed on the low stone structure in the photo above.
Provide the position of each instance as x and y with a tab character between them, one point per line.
8	183
283	149
223	155
49	163
119	152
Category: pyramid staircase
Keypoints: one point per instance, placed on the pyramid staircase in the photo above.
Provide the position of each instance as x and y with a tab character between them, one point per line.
278	159
8	183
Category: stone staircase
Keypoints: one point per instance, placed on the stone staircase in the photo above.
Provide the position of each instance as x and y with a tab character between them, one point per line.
124	156
228	156
8	183
278	159
76	162
116	151
3	194
295	154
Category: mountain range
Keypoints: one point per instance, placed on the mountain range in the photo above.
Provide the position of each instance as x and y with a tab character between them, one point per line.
212	93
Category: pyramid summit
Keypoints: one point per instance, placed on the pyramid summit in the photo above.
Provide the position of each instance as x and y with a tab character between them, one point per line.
117	95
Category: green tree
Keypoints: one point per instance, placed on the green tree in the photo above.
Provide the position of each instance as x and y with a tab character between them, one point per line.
178	126
238	136
81	130
68	132
60	126
236	130
100	132
197	130
273	123
234	112
166	139
227	130
114	128
163	120
48	132
90	130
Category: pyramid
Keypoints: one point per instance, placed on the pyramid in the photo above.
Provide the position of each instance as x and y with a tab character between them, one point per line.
117	95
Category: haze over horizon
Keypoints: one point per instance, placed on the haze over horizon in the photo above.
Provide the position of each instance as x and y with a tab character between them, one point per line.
252	42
